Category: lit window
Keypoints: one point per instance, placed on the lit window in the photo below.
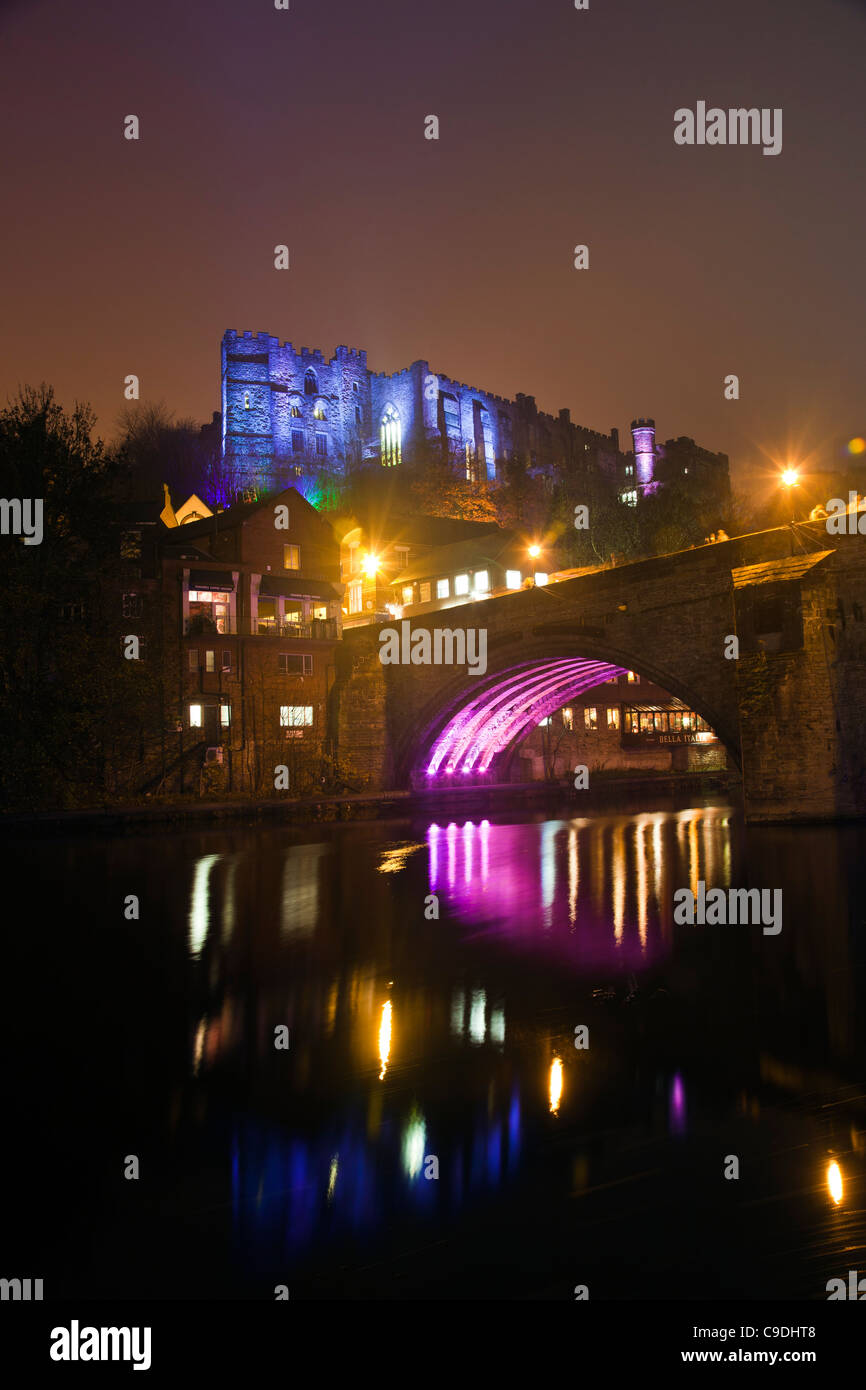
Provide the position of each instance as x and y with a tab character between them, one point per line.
291	557
590	717
319	412
246	400
629	498
296	412
225	715
390	435
356	601
544	723
355	386
424	592
513	579
442	588
407	593
481	581
541	578
209	663
192	658
320	610
296	716
613	716
568	718
195	716
461	583
633	678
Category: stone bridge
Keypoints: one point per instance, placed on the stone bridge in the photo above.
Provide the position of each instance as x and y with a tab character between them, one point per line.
789	707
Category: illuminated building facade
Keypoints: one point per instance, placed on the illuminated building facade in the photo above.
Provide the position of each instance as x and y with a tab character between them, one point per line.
290	410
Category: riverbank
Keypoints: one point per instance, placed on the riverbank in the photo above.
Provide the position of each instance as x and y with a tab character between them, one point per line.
606	788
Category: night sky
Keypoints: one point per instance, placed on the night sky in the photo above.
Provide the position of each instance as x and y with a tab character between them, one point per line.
306	127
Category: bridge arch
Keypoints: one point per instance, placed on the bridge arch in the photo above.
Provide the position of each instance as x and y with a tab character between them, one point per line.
473	725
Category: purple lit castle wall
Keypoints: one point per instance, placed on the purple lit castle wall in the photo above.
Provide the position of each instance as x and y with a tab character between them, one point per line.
290	410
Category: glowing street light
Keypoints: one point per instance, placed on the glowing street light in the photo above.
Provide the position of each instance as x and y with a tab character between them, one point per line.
790	477
834	1182
370	564
535	551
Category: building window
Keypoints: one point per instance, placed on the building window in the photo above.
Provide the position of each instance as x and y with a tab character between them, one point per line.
291	557
629	498
297	441
401	556
461	583
633	678
356	598
443	588
296	412
541	577
311	385
210	609
192	658
132	605
227	660
568	718
246	400
295	664
357	415
130	545
225	715
355	387
319	412
590	717
390	435
513	579
296	716
629	470
407	593
195	716
322	445
481	581
424	592
320	610
613	716
210	661
450	414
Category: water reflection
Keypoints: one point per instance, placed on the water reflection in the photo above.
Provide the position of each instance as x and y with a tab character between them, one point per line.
606	883
432	1087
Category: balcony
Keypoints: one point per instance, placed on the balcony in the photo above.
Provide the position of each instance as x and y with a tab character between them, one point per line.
200	625
317	630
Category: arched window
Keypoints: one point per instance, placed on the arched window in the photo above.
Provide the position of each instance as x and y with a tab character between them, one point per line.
391	437
320	413
295	410
246	400
311	385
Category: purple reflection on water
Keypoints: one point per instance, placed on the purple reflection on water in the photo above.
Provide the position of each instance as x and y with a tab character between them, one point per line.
587	891
677	1105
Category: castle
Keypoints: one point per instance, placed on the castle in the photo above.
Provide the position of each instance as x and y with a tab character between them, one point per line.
288	413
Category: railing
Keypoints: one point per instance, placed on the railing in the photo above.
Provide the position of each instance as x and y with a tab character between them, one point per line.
199	625
318	629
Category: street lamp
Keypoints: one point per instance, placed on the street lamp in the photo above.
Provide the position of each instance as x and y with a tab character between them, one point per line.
790	479
535	551
370	565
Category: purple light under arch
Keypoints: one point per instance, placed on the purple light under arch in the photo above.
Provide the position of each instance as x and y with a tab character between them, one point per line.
521	698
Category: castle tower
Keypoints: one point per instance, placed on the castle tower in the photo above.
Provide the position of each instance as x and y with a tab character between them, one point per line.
644	436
